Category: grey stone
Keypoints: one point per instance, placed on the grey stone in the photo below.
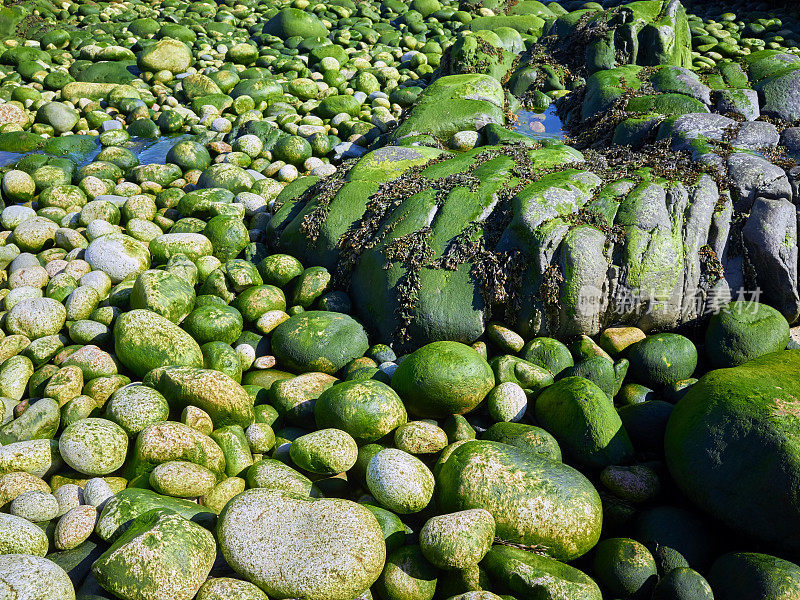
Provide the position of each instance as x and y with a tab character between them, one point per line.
770	237
318	549
781	96
682	81
740	102
709	125
790	139
753	176
756	134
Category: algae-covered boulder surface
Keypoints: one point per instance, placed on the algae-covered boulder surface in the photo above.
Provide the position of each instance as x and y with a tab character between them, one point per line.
399	300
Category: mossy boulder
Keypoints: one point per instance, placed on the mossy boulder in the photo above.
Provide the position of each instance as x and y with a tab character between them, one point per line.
121	510
163	293
752	575
165	55
526	437
534	500
293	22
742	331
443	378
144	340
746	481
34	578
458	540
683	583
318	341
625	568
583	420
454	103
161	555
531	575
367	410
225	401
262	533
662	359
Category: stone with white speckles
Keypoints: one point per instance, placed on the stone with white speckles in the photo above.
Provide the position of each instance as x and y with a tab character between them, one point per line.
162	556
317	549
24	577
20	536
534	500
75	527
36	317
399	481
94	446
226	588
458	540
119	256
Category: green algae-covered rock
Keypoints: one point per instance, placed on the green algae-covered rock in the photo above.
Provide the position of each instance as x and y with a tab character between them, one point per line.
119	256
443	378
94	446
625	568
214	323
744	480
325	451
134	407
182	479
399	481
273	474
294	547
26	577
548	353
458	540
583	420
127	505
165	55
295	398
531	575
534	501
662	359
144	340
36	317
225	401
226	588
170	440
293	22
683	583
526	437
318	341
367	410
750	575
745	330
163	293
161	556
20	536
454	103
407	575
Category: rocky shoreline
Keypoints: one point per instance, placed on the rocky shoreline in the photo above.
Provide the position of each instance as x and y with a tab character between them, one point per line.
399	300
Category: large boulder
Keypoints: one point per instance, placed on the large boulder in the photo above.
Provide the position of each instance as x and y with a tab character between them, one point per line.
144	340
165	55
752	575
321	341
162	556
531	575
535	501
732	445
225	401
26	577
443	378
742	331
293	22
295	547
